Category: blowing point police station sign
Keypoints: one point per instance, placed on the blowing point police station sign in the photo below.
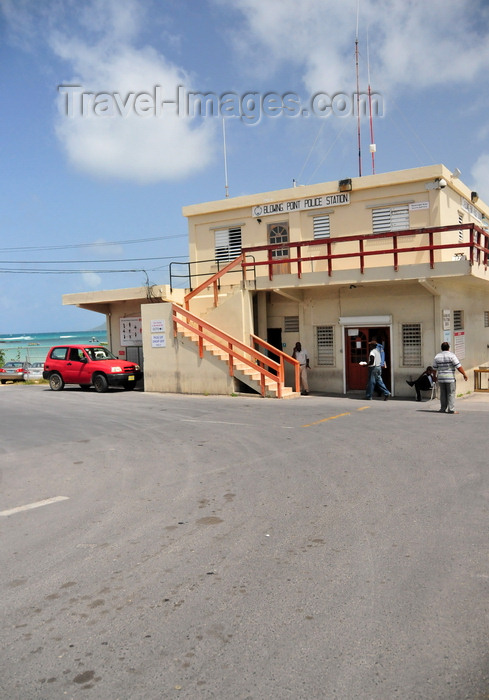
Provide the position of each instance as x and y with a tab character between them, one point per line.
325	200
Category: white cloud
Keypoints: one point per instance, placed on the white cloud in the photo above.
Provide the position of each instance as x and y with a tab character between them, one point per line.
103	249
98	43
158	145
91	279
417	44
133	147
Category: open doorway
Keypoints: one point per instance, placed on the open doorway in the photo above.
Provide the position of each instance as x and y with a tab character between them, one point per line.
274	337
357	351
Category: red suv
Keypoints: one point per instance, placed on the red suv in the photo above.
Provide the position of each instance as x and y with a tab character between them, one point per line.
88	365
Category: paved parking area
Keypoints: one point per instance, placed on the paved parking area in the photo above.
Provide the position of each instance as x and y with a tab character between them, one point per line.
161	546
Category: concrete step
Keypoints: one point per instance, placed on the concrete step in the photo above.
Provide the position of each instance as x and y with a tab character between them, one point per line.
250	375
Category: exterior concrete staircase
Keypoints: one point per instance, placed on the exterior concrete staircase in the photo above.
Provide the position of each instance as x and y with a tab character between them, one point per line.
248	375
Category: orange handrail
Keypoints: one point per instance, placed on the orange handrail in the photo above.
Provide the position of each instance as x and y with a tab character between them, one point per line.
214	280
235	350
477	248
283	358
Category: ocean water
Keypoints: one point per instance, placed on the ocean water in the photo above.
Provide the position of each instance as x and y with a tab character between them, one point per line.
33	347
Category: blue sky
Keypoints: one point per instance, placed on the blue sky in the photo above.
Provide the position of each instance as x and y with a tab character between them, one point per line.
92	200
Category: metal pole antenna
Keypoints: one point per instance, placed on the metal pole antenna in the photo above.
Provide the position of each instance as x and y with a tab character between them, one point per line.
226	187
358	98
373	147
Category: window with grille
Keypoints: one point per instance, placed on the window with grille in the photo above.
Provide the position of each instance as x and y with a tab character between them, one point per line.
228	244
325	345
458	320
411	345
390	219
291	324
486	319
321	226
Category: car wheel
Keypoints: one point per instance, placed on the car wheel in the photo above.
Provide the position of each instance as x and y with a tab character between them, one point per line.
56	382
100	383
4	381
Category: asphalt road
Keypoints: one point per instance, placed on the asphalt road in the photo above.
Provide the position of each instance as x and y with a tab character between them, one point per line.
242	548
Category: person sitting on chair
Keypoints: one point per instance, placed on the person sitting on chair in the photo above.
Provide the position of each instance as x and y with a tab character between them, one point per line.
424	382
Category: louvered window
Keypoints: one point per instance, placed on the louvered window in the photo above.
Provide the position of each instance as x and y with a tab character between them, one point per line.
458	320
291	324
228	244
411	345
321	226
325	345
486	319
390	219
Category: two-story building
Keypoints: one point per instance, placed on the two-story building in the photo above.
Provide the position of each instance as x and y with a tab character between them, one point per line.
401	257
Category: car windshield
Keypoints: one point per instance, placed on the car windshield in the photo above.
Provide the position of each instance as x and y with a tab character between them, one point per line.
100	354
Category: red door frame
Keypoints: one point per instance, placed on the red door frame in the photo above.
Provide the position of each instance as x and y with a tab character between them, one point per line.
357	350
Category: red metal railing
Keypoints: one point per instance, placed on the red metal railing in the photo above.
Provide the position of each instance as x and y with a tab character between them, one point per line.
214	281
237	351
282	358
477	248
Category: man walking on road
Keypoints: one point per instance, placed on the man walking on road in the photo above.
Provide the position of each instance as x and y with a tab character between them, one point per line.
375	372
445	364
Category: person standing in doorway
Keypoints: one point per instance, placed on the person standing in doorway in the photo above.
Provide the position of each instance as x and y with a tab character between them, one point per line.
303	359
375	372
445	364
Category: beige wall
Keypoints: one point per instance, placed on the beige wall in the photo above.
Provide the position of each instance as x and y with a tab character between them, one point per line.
177	368
405	302
384	190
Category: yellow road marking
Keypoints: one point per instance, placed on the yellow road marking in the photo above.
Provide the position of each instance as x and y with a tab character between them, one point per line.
340	415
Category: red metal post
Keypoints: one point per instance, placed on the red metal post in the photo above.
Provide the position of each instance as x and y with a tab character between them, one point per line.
201	343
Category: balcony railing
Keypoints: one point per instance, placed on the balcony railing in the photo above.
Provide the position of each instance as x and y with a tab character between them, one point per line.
347	252
329	255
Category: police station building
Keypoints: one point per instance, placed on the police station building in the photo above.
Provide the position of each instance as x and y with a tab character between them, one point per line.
400	257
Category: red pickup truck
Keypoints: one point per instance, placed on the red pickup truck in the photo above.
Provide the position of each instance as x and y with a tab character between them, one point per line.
88	365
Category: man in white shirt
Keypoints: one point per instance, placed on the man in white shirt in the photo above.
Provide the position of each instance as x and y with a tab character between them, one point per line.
375	372
303	359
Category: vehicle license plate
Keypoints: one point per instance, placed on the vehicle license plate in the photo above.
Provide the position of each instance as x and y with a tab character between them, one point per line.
131	377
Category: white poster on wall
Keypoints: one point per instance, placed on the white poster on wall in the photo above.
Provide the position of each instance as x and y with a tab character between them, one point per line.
158	340
131	331
446	314
157	325
459	344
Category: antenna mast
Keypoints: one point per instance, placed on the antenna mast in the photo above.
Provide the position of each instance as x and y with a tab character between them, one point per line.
358	98
373	146
226	187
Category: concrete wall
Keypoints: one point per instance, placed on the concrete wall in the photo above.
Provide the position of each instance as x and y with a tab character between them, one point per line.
440	207
405	302
177	368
